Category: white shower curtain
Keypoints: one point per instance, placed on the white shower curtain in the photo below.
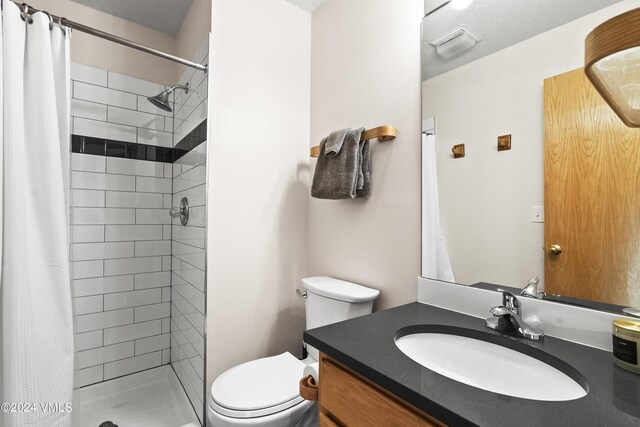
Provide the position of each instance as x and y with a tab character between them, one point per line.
435	259
37	331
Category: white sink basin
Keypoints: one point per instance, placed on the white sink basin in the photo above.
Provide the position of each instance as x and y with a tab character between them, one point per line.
489	366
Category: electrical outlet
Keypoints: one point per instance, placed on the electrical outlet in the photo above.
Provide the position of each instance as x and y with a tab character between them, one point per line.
537	214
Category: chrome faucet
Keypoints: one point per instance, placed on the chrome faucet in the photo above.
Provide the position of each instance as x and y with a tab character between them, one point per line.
531	289
507	319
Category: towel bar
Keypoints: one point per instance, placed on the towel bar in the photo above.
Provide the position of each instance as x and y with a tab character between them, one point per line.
383	133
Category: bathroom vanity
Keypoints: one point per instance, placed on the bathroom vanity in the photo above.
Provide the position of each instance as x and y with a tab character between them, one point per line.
366	402
367	380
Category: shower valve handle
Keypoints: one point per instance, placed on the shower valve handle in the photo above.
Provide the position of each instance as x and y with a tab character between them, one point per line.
182	212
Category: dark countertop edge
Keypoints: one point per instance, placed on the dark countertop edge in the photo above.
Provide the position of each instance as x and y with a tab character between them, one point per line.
417	400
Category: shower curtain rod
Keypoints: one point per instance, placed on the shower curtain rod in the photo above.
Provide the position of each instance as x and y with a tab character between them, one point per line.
116	39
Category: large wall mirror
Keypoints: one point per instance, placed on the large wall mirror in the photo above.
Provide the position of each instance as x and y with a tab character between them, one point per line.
546	178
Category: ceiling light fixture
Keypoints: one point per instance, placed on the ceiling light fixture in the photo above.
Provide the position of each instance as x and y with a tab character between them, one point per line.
460	4
612	63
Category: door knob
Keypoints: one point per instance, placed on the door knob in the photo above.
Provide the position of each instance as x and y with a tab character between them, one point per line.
555	250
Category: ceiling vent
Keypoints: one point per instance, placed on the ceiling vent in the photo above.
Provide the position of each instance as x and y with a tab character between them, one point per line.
454	42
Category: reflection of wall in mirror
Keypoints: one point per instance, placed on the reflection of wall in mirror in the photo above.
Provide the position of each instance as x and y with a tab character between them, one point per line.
486	198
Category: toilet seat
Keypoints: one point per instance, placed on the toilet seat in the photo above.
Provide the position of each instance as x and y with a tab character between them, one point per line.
258	388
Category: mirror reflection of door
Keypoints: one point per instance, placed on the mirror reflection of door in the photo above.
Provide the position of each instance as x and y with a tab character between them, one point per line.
592	195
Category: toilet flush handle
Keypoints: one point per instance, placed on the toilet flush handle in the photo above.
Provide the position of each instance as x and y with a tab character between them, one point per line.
301	294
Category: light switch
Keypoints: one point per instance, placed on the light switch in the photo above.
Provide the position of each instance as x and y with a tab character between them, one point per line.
537	214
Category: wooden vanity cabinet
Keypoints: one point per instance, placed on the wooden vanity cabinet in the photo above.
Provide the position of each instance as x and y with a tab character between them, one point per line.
347	399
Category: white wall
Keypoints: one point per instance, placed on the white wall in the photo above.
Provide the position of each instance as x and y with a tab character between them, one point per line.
258	180
366	72
99	53
95	52
486	197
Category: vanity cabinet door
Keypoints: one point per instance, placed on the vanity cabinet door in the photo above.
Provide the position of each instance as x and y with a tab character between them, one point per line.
325	421
347	399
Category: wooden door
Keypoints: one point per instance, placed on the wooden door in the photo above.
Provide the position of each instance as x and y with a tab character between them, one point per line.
591	195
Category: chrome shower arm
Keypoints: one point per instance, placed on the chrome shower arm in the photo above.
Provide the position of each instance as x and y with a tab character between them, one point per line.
185	87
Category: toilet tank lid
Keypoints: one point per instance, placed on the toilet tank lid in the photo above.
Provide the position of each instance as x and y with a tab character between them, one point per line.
339	289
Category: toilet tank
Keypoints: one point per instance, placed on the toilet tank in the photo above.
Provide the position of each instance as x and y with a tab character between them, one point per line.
332	300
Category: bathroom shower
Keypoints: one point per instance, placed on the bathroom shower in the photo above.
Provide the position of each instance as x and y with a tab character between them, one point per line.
161	100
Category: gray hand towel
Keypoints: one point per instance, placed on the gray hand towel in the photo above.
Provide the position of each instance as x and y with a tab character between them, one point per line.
364	177
347	174
334	142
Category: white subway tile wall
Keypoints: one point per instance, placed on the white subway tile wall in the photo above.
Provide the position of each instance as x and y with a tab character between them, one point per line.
117	242
113	106
187	248
191	108
188	296
117	237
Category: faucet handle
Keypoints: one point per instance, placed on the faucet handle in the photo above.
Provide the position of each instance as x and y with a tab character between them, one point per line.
181	212
175	212
509	300
500	310
533	281
531	289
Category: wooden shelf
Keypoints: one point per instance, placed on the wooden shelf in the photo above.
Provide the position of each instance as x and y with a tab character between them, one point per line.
382	133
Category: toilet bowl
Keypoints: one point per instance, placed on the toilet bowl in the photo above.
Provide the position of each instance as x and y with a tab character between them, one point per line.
265	392
262	392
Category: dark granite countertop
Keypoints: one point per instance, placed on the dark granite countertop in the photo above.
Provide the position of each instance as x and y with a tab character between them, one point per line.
366	345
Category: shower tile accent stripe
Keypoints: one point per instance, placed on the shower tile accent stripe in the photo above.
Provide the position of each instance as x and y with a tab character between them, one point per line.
195	137
82	144
128	150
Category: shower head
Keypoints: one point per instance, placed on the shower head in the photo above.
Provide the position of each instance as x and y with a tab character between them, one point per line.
161	100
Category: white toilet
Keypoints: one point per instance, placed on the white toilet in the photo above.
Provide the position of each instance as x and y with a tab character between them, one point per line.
265	392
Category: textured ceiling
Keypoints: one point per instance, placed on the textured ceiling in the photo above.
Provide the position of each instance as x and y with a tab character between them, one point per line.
498	24
162	15
308	5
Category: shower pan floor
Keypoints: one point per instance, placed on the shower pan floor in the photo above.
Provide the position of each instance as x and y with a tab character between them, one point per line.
152	398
